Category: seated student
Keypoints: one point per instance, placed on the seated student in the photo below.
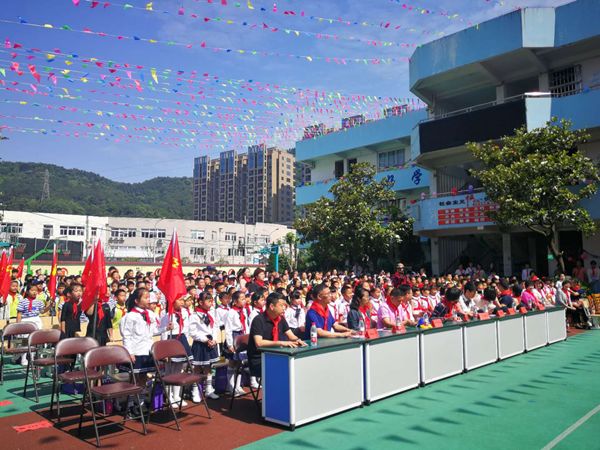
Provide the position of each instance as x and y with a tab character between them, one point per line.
270	329
468	299
488	301
70	312
448	308
342	305
257	301
376	298
574	311
396	309
295	314
360	309
319	314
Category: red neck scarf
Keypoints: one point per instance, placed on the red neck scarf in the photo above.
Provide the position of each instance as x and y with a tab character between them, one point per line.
207	312
123	310
31	299
260	283
275	326
323	312
100	312
366	317
179	317
247	279
75	308
144	313
240	311
393	308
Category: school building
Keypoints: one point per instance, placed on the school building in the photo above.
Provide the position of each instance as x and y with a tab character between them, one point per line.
479	84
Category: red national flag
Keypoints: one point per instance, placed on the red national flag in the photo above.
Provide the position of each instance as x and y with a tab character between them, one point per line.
87	268
100	272
5	285
96	286
53	277
171	282
20	268
2	266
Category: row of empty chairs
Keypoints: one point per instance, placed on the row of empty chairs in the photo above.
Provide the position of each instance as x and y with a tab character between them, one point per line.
95	371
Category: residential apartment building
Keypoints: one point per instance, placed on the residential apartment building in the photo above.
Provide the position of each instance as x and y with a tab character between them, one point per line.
141	239
252	187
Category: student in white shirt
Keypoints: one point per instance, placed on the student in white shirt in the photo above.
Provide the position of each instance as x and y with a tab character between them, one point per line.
258	300
205	349
342	305
236	324
295	315
138	327
179	330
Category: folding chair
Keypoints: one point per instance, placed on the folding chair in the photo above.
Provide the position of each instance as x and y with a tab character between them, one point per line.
97	360
37	339
241	345
163	352
71	347
23	329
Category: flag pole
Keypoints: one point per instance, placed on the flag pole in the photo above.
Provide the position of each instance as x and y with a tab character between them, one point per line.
95	320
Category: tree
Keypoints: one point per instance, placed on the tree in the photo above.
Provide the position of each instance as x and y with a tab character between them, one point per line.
538	178
357	225
291	240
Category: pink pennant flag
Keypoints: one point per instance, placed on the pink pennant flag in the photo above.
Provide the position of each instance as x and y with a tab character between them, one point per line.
7	43
94	4
181	11
76	2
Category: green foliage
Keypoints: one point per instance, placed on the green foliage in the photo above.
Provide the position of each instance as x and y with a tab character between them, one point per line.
538	179
74	191
349	227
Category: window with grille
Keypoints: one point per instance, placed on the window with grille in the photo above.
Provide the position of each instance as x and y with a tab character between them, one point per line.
11	228
566	81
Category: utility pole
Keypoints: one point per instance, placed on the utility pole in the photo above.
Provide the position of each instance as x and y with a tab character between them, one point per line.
46	187
87	235
245	239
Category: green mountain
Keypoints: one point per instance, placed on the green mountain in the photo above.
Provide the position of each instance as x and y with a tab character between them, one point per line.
75	191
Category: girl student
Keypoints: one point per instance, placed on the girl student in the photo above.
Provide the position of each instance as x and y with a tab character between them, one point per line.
236	324
179	322
138	327
205	348
29	309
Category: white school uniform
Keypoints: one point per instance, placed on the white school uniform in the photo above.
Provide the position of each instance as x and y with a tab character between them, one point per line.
166	318
295	316
253	313
234	324
137	333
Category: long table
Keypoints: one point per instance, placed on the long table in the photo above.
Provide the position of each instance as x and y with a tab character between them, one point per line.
301	385
304	384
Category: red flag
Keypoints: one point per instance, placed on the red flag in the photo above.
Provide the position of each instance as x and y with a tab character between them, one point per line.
53	277
20	268
96	286
100	272
87	268
2	266
5	285
171	282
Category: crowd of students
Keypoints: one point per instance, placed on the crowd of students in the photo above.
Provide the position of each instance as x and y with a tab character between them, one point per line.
274	309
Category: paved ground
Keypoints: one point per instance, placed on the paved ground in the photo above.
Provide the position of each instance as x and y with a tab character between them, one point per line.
524	403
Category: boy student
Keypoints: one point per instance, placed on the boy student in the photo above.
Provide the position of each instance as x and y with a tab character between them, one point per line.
120	308
70	323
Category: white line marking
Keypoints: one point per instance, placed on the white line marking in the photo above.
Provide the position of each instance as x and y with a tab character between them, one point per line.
572	428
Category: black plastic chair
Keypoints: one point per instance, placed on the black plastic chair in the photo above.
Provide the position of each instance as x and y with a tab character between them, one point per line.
241	345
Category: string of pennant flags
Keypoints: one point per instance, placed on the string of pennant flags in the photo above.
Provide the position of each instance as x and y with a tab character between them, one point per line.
203	45
262	26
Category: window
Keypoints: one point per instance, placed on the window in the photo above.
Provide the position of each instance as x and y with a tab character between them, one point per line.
351	162
121	232
48	231
264	239
566	81
154	233
214	235
391	159
339	169
196	251
94	231
230	236
11	228
71	231
235	252
198	235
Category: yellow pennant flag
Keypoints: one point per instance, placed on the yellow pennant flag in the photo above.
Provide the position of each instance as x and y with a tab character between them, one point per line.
153	73
250	5
149	6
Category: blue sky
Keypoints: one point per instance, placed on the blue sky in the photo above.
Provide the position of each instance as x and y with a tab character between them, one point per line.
140	158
